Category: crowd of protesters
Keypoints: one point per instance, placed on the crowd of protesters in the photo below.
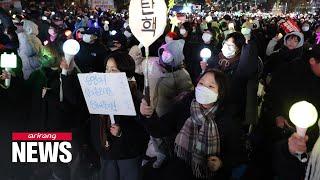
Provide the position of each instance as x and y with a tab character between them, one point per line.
224	118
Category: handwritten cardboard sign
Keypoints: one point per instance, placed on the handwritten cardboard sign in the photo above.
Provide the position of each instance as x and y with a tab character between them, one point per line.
107	93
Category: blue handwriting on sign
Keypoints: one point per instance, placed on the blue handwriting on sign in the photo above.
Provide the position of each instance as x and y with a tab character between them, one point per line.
95	79
104	105
98	91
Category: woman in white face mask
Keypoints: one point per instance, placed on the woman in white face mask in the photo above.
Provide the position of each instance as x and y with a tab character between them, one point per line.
239	62
229	55
89	38
201	144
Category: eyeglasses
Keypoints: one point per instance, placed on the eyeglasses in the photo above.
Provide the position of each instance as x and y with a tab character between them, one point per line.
228	44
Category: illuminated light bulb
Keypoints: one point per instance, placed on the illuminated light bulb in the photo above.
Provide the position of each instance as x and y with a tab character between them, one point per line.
205	53
67	33
8	61
72	3
303	114
45	42
53	13
208	19
113	32
70	48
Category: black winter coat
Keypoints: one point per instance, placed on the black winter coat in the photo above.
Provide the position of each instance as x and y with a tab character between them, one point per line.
132	142
46	112
192	57
91	57
278	59
238	74
293	83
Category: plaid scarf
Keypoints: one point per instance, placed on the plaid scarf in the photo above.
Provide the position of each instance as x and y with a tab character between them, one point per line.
198	139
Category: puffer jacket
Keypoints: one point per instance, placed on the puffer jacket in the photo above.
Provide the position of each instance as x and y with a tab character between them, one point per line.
165	86
29	48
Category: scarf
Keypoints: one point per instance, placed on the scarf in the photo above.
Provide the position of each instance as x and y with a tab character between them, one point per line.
225	63
313	169
198	139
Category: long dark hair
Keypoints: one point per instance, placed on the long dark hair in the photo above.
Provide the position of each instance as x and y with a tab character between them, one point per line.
221	80
124	62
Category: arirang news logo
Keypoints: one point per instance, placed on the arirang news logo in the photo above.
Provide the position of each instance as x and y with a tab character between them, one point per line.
33	147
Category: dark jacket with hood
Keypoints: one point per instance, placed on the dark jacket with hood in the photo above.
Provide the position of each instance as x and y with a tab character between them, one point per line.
46	112
91	57
284	55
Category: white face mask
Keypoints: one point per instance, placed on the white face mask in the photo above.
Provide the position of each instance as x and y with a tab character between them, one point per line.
206	37
183	32
305	28
168	39
205	96
166	57
127	34
106	27
87	38
228	51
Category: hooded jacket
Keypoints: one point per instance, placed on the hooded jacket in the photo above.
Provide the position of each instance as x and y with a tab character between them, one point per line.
29	48
273	42
300	35
284	55
175	48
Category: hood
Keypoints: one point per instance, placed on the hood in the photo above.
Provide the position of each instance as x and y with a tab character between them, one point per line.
300	35
175	48
30	27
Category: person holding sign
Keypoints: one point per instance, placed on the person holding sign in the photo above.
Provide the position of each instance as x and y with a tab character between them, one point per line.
206	137
121	144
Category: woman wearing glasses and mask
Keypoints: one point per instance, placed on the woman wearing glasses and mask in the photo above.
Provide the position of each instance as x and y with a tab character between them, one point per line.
238	60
